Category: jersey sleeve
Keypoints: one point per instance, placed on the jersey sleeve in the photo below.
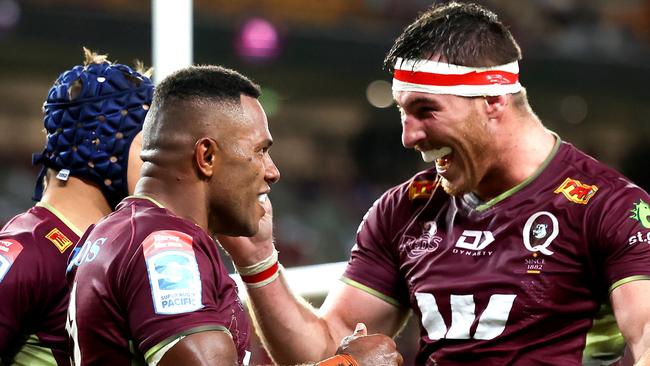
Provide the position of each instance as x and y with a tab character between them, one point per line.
621	229
170	291
373	265
17	281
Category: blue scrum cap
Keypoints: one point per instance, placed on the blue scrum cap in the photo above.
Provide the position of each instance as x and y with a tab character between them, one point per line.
92	114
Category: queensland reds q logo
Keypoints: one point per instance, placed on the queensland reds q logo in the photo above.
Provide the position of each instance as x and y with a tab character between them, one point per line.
540	230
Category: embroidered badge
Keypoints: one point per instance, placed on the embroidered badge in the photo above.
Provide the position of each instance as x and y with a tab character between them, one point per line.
575	191
59	239
173	272
641	213
421	189
539	232
9	251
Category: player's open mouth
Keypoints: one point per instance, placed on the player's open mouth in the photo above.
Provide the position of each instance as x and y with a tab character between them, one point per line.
262	198
440	156
442	164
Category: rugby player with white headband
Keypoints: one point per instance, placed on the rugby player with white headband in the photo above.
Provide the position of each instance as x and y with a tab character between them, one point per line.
437	77
516	248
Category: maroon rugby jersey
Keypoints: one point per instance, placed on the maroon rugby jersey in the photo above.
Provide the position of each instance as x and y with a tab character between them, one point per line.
34	249
145	277
514	281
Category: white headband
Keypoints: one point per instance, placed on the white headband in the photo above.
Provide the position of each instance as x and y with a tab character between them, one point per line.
433	77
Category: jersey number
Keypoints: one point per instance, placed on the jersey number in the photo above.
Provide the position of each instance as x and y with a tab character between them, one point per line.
71	325
491	323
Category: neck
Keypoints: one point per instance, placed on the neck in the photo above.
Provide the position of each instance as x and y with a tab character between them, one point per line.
522	153
80	203
188	201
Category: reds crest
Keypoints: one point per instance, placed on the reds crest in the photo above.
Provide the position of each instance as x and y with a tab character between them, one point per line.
576	191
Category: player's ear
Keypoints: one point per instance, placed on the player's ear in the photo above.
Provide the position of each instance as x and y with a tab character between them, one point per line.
205	157
496	105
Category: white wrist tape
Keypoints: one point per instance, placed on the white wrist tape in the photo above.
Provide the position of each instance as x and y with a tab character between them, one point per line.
261	273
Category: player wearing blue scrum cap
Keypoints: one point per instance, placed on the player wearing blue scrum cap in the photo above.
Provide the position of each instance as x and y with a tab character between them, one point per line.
93	116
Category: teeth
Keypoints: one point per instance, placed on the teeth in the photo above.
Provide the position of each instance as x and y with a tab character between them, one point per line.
442	165
431	155
262	198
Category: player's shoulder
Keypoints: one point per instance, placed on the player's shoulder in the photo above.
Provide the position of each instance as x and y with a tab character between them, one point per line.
604	183
398	202
27	222
418	187
587	166
143	213
18	240
34	227
152	219
10	249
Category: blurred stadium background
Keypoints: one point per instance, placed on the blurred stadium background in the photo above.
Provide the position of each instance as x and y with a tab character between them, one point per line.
337	135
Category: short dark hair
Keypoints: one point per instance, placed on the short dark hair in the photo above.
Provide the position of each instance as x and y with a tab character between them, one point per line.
191	87
209	81
462	34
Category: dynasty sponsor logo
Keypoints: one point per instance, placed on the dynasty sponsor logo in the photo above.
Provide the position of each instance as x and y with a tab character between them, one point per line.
576	191
473	243
428	242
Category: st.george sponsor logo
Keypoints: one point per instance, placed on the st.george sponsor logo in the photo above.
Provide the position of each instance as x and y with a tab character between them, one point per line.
428	242
641	213
473	243
639	238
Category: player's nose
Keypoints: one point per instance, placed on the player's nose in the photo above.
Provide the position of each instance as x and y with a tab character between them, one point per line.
272	173
412	132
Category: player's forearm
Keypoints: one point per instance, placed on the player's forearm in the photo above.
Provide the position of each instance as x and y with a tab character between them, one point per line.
291	330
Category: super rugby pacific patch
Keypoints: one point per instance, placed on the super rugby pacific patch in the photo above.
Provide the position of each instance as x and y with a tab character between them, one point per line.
173	272
9	250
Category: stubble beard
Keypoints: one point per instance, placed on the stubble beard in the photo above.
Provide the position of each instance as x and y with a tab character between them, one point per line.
451	189
467	181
